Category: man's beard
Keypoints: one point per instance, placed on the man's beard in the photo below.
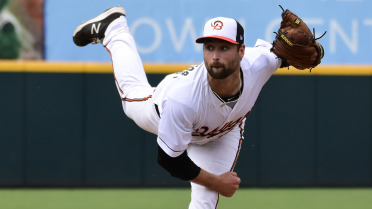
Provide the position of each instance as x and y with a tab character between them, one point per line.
225	72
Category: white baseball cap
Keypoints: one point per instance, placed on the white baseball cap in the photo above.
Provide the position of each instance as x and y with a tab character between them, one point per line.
223	28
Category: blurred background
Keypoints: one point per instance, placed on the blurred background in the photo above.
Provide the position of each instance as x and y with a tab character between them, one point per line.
21	29
62	125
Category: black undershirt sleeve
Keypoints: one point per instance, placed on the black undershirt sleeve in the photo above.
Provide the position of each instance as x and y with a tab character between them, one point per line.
181	167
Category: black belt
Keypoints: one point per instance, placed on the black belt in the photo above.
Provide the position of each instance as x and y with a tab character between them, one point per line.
157	109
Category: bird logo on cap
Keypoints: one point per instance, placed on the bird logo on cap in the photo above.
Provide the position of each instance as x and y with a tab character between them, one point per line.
217	25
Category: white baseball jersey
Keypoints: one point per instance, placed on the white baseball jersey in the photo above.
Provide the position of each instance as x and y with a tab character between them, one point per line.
191	112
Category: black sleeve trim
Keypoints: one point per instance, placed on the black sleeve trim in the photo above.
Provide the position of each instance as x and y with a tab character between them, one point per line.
181	167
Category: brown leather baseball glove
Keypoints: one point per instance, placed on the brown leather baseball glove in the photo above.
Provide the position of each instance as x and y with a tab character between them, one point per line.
295	44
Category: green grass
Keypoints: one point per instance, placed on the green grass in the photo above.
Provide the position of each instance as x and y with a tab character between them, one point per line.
313	198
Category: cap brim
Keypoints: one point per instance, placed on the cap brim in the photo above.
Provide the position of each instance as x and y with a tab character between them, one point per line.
202	39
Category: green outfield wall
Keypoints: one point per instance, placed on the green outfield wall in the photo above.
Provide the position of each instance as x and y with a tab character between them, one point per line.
61	124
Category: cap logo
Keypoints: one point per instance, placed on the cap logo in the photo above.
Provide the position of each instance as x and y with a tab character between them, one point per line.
217	25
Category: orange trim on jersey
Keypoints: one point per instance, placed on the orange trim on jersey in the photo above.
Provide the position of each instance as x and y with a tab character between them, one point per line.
112	64
240	145
117	84
137	99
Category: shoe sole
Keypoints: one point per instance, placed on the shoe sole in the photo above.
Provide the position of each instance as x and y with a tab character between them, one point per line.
101	17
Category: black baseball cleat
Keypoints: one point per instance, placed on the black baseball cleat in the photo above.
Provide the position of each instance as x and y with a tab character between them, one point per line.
93	30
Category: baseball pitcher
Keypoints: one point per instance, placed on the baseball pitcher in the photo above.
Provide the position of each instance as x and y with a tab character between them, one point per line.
198	115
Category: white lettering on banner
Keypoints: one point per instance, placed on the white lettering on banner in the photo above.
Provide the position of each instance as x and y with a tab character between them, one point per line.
186	34
157	35
188	28
368	22
349	37
352	43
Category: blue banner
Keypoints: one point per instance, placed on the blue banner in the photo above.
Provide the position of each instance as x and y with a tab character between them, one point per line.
165	30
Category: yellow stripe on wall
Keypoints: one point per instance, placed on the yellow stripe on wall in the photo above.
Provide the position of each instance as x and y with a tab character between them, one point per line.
103	67
330	70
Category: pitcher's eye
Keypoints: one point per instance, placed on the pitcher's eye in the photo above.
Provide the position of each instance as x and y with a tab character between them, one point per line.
210	48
